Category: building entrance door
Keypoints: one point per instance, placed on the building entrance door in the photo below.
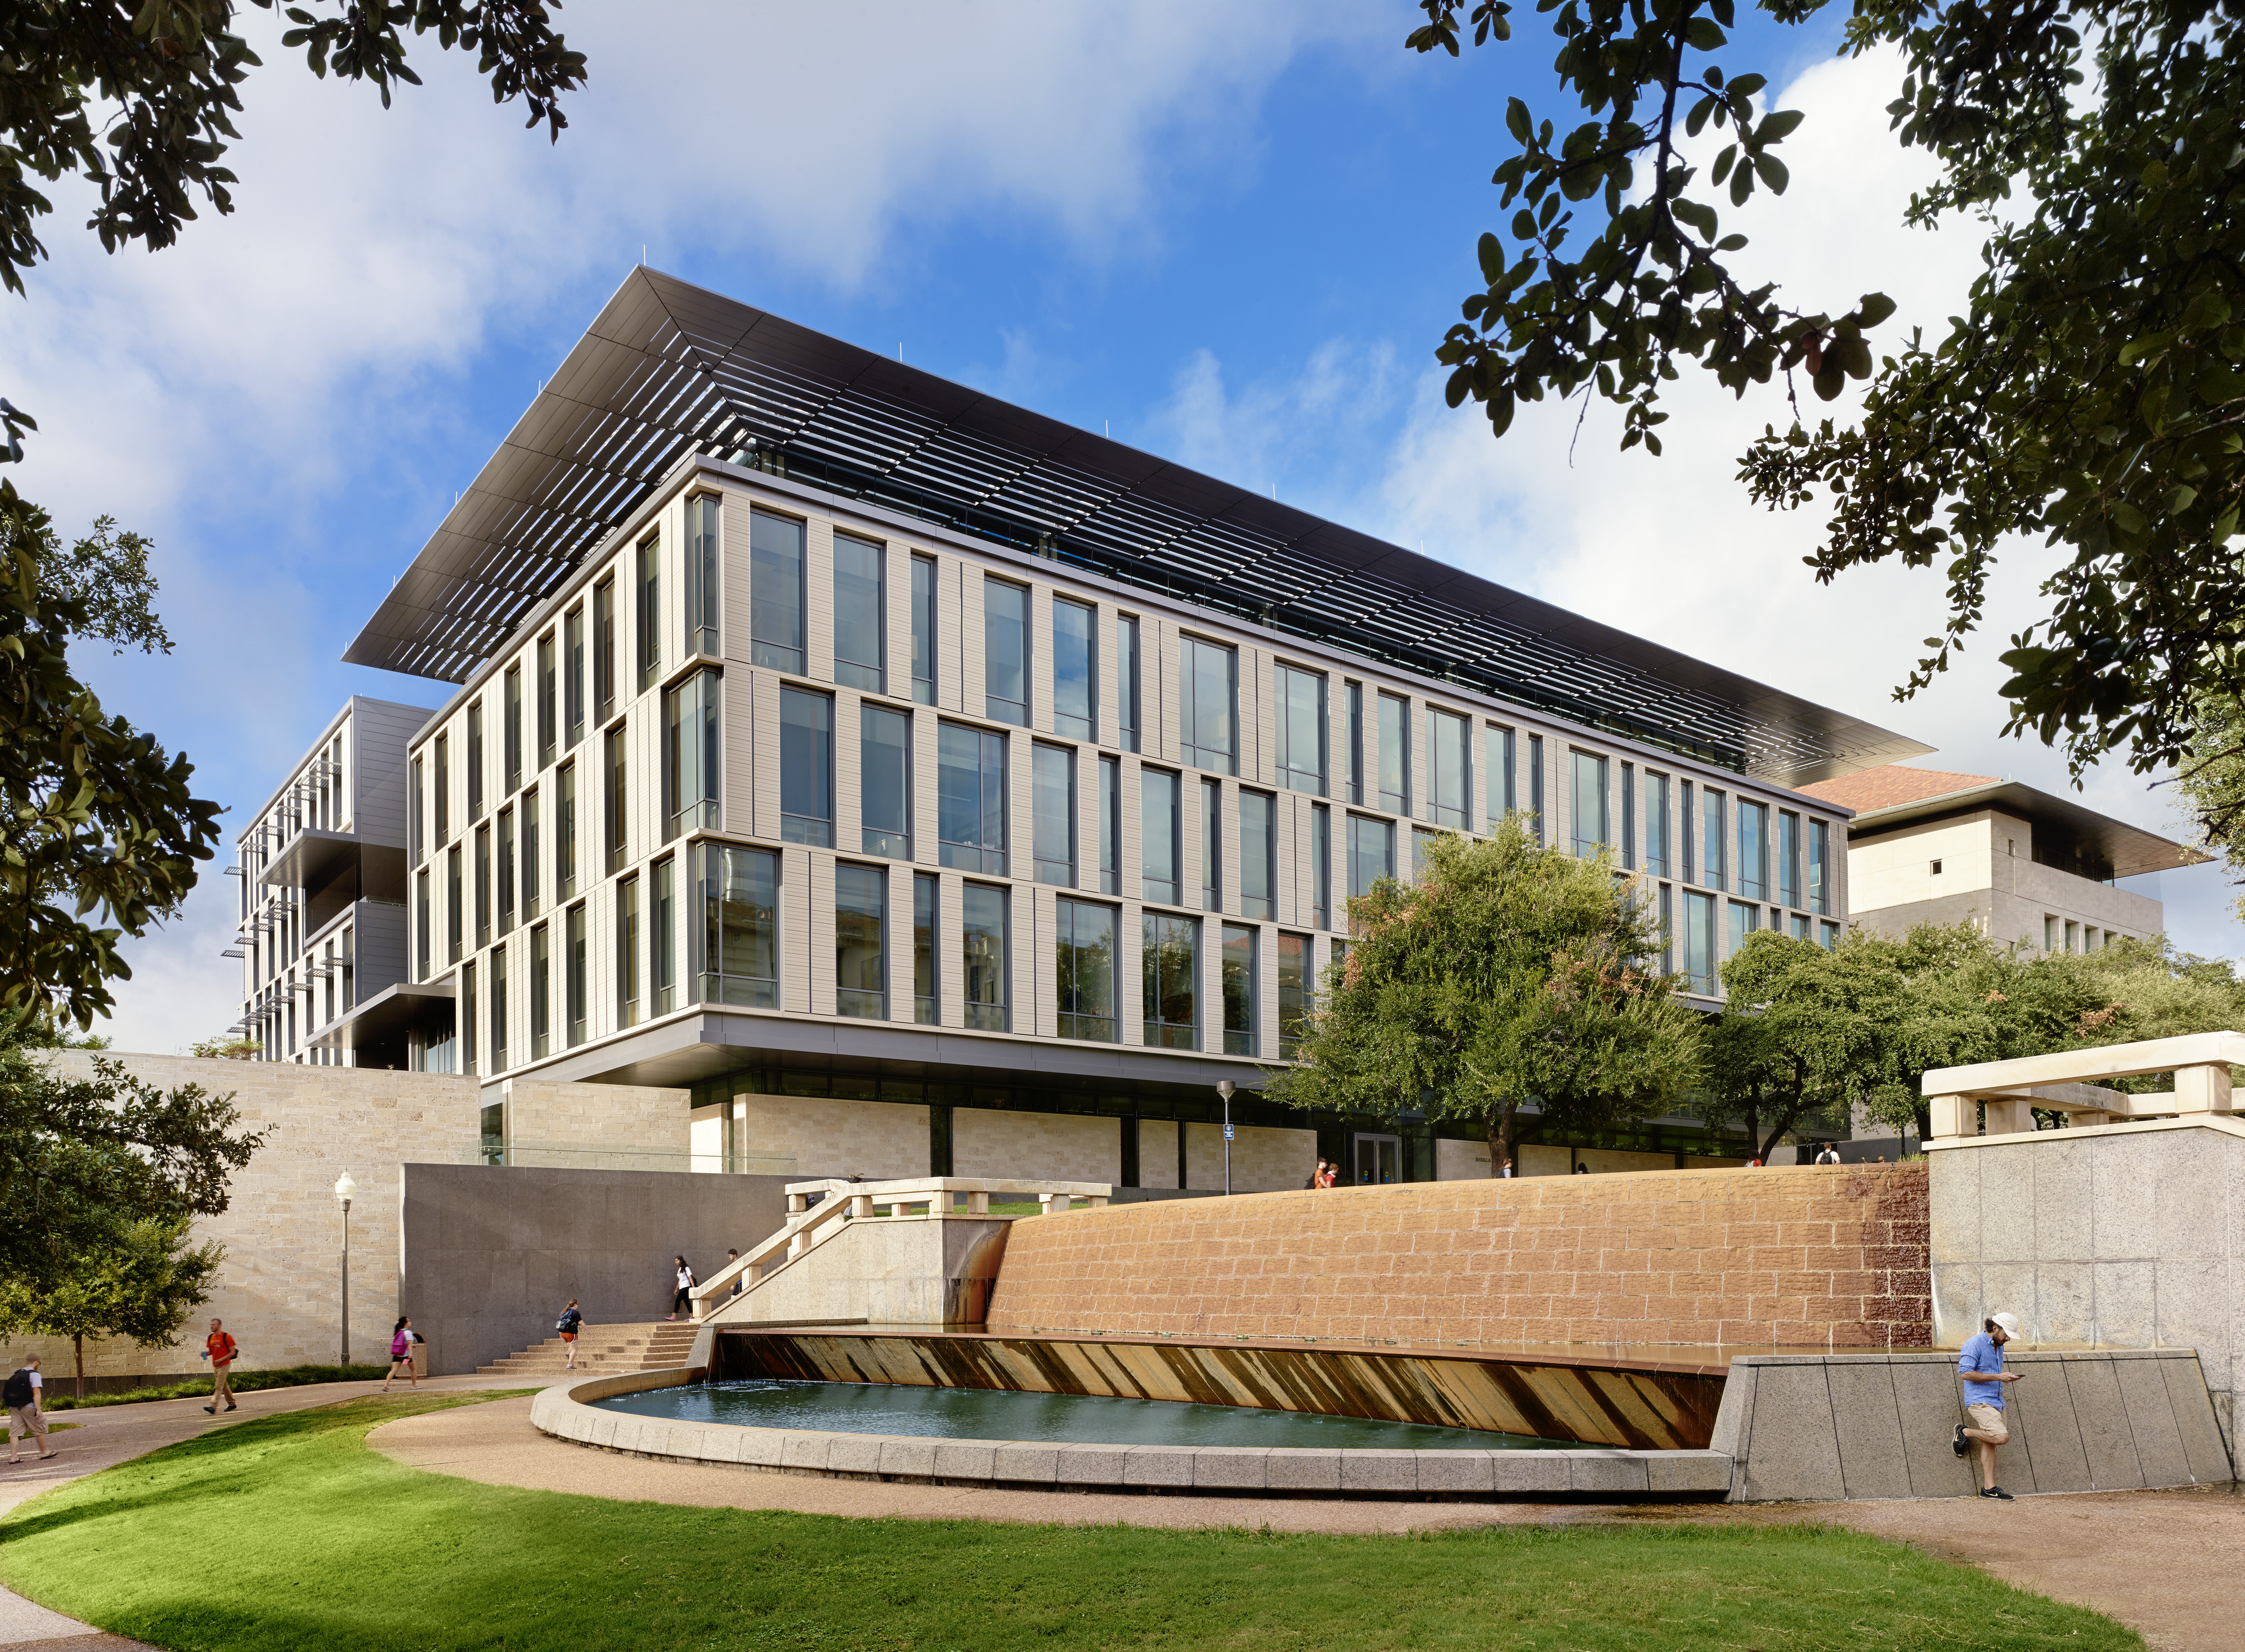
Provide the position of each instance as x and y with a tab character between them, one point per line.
1379	1159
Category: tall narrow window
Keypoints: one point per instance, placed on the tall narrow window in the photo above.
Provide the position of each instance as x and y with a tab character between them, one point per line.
1302	730
1371	853
662	940
513	733
1161	832
1293	993
453	913
1211	846
1450	782
1667	931
1715	875
1699	941
860	614
1394	754
691	752
1006	652
628	952
604	650
542	999
1208	695
548	711
533	861
1500	773
443	790
1820	862
505	871
1788	857
1686	865
614	800
574	973
970	799
1356	742
923	625
1110	826
861	950
1075	675
1754	850
1258	855
984	966
1170	965
421	919
1052	806
776	591
416	826
1423	844
806	768
1656	825
1629	817
1536	785
1827	936
1239	988
925	890
647	633
483	886
475	760
1128	664
1321	866
885	781
573	671
701	589
499	1010
1084	970
1800	927
564	832
1587	818
736	944
1744	920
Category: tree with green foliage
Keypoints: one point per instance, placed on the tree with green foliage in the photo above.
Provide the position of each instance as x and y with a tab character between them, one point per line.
2091	395
2153	990
141	1280
1507	975
1800	1037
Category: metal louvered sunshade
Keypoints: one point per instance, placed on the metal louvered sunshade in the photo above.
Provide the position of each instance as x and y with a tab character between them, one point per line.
669	370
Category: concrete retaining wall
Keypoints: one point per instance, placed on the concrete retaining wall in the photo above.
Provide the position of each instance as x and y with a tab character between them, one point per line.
1834	1427
886	1270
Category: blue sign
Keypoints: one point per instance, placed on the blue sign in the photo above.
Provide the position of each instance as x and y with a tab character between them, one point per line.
1227	1133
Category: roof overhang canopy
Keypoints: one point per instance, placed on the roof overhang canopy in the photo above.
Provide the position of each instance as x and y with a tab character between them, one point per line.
2130	851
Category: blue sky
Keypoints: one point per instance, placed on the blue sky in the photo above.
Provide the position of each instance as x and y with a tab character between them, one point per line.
1233	235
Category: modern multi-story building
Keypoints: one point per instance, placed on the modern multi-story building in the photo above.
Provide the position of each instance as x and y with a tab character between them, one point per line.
322	867
1926	846
922	783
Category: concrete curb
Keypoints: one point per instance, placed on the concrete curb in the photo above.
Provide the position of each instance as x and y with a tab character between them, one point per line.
563	1412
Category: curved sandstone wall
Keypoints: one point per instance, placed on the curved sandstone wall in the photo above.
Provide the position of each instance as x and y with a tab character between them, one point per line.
1806	1257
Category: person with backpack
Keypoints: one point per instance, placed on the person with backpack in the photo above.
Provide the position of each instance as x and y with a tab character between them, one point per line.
567	1326
682	1301
27	1417
402	1340
220	1349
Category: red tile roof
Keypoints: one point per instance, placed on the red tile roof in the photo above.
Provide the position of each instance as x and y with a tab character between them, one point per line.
1887	787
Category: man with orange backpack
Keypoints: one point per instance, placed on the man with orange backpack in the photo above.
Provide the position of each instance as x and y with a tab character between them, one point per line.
219	1349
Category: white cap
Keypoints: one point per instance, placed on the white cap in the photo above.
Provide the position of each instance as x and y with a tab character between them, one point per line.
2009	1322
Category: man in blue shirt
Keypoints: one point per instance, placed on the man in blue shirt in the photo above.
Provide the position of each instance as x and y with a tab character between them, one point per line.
1981	1369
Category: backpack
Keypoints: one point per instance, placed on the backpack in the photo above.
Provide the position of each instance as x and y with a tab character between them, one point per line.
17	1390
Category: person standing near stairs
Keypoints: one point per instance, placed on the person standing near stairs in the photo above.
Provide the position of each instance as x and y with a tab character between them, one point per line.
567	1326
681	1302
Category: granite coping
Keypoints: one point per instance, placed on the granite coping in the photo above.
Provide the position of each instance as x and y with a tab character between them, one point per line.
1602	1472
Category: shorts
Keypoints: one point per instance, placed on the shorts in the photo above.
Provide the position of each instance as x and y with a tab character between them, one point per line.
568	1335
1989	1420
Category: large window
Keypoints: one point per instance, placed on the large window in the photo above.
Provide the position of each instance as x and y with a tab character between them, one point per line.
541	994
1207	690
1006	652
1656	824
505	871
1171	967
615	801
1501	772
1788	857
970	798
575	973
1110	826
1371	853
662	939
1075	670
1293	993
1754	850
1819	863
1699	941
1084	970
533	861
1321	866
1258	850
476	761
885	781
860	614
737	942
1240	984
1211	846
572	672
1126	666
983	962
1449	781
923	630
647	633
548	712
564	832
1587	818
1301	718
1714	874
1394	754
861	942
1356	742
776	600
1160	836
702	562
1052	806
604	649
627	1001
1744	920
499	1010
924	892
806	768
514	733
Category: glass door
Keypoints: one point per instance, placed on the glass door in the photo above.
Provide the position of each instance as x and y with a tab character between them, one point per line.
1379	1159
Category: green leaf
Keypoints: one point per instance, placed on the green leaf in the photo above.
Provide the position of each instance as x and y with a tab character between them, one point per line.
1772	172
1774	127
1874	309
1517	121
1491	252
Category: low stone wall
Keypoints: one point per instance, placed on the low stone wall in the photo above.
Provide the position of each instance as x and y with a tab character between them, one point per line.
1843	1427
1753	1258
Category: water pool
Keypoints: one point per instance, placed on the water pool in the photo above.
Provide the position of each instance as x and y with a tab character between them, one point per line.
984	1413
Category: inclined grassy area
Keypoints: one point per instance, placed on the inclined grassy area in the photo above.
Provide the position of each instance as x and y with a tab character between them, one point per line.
289	1532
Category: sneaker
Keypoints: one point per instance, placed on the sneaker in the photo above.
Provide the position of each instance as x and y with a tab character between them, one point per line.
1957	1443
2000	1494
231	1406
212	1410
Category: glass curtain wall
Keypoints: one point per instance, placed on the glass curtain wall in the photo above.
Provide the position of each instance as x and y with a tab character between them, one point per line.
1170	964
648	632
1084	970
1587	819
985	986
925	895
1160	837
1394	754
1006	652
776	592
970	796
1258	855
806	768
885	781
923	635
1302	730
1208	692
736	944
1449	780
1241	981
1126	682
861	961
1052	806
860	614
1075	673
702	562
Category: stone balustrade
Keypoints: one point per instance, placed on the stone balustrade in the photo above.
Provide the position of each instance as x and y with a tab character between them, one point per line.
2012	1091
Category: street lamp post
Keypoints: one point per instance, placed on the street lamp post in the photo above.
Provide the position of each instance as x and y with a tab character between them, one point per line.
1224	1089
346	1189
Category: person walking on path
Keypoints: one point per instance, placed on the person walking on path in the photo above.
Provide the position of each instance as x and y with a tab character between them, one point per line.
567	1326
1980	1367
219	1348
400	1354
27	1416
681	1302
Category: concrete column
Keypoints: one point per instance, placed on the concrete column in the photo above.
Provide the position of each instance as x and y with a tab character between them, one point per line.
2009	1117
1950	1118
2202	1090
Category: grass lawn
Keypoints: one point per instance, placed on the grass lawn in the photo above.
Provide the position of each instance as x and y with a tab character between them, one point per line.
287	1533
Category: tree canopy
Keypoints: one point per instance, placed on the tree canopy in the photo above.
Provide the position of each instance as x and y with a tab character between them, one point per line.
1506	974
2092	394
139	1279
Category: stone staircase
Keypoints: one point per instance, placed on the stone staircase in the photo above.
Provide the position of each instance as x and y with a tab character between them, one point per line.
604	1351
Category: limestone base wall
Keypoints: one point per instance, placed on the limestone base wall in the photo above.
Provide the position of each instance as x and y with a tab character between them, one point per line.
1754	1258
